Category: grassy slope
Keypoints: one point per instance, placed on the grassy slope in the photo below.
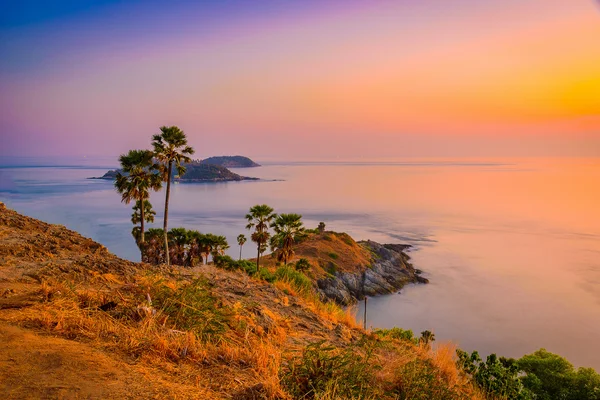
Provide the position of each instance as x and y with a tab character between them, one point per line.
328	251
58	343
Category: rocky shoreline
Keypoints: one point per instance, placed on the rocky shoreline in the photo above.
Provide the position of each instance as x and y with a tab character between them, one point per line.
389	272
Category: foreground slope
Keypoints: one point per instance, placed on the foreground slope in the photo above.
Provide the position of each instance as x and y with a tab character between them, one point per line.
78	322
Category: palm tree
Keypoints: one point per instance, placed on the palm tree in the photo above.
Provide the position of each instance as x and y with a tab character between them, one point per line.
206	245
288	227
194	239
427	337
179	240
148	212
170	147
219	246
135	180
321	227
241	239
154	250
260	218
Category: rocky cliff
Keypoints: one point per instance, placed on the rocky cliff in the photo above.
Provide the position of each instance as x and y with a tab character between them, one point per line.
389	271
346	271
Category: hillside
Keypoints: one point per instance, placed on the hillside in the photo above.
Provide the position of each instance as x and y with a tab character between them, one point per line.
231	161
78	322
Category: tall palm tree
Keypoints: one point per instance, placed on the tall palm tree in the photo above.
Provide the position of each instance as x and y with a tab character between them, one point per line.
170	150
241	239
136	179
260	218
287	228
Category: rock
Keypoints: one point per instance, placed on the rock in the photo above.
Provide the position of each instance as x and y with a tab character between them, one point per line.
389	272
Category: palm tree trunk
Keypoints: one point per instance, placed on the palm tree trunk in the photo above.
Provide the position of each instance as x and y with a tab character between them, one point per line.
168	261
240	252
141	245
258	259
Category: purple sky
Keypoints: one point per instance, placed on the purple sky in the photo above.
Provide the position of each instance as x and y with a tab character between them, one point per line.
315	79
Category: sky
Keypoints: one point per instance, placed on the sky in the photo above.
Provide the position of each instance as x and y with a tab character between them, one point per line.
304	79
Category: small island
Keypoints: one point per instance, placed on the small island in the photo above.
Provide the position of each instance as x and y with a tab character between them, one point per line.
231	162
198	172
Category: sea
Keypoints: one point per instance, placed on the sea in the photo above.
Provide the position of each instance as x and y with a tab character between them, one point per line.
511	247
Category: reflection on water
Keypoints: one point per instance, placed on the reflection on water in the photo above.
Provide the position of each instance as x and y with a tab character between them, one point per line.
511	247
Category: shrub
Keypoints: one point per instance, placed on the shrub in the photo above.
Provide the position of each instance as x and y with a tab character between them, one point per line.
333	255
550	376
397	333
322	370
266	275
194	308
300	282
496	376
302	265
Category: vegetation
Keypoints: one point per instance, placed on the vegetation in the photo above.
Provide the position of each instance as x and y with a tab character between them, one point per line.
288	228
170	150
302	265
231	161
241	239
541	375
321	227
260	218
135	182
221	333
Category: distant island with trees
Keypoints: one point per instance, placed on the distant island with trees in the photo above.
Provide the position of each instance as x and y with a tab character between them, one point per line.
212	169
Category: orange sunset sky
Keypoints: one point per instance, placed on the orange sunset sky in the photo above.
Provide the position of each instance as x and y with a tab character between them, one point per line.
313	80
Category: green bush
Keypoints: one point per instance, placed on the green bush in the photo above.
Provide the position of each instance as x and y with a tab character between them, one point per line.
397	333
323	370
550	376
266	275
194	308
333	255
302	265
496	376
301	282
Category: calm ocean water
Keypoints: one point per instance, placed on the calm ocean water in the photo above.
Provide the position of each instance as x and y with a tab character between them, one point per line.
511	247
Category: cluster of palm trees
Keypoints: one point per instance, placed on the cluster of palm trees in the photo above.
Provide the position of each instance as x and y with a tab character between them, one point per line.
143	171
186	247
288	228
146	170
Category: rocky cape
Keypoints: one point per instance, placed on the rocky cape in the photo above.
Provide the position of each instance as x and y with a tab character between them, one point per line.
196	172
345	271
389	272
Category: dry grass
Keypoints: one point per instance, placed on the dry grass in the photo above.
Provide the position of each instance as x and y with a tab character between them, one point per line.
214	333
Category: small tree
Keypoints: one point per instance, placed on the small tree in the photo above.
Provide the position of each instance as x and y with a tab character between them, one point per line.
135	180
241	239
260	218
287	228
302	265
427	337
321	227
